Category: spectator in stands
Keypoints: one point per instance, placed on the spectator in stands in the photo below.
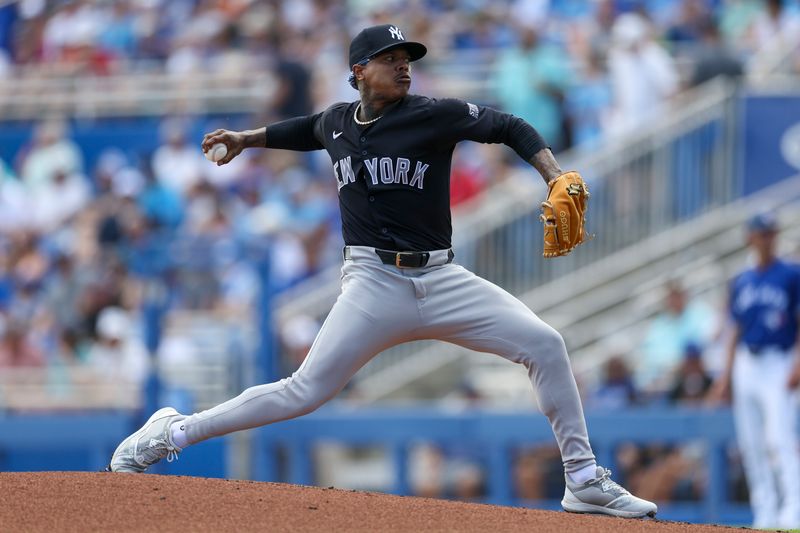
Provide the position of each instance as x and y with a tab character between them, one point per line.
643	75
160	205
735	19
51	153
74	24
293	96
531	80
118	355
176	163
617	389
774	27
693	381
56	202
118	35
16	350
714	57
70	350
62	289
201	204
689	25
30	264
592	34
678	324
466	180
110	214
589	102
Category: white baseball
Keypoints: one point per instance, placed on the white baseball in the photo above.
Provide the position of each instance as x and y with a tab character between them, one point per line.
216	152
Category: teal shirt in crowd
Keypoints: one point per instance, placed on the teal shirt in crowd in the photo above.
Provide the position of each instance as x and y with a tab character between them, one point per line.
522	78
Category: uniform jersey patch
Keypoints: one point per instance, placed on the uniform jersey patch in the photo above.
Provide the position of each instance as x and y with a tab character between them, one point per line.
473	110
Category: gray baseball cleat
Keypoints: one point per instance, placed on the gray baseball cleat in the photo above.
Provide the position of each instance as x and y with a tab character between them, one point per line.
602	495
151	443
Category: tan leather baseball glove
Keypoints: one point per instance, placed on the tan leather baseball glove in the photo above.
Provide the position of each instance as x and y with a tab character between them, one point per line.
564	214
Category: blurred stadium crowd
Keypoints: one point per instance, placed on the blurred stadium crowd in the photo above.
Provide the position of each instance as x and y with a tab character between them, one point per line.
74	239
79	242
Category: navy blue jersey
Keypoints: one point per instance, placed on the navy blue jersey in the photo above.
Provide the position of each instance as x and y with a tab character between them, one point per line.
393	175
765	305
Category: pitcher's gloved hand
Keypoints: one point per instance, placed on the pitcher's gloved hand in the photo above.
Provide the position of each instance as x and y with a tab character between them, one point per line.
564	214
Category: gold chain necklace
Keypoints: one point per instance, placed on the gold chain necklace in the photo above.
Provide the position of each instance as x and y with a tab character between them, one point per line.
355	117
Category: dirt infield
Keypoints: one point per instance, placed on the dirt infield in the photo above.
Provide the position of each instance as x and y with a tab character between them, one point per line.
82	501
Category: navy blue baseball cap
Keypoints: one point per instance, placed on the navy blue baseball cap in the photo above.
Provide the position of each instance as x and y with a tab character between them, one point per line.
763	222
376	39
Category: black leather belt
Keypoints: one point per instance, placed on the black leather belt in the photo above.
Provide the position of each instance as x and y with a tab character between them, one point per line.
403	259
408	259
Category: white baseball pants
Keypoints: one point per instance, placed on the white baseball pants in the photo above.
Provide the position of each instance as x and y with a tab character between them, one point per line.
381	306
765	414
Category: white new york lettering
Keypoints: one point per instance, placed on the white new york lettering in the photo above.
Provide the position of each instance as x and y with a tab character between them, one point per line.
387	170
372	166
339	183
401	172
346	168
419	175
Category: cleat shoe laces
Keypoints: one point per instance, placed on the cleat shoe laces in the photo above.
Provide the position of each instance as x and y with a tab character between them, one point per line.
609	485
147	446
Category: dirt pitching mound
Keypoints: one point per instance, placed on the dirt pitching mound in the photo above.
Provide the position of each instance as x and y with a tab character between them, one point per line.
85	501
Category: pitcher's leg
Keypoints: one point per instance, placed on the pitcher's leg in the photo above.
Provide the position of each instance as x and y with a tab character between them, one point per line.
356	329
348	339
529	341
469	311
464	309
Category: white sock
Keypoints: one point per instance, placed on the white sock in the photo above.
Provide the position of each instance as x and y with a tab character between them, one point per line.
584	474
178	434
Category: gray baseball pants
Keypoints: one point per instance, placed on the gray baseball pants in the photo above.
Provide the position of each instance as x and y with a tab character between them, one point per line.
381	306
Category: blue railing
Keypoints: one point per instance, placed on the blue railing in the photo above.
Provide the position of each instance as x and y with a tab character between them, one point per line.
498	434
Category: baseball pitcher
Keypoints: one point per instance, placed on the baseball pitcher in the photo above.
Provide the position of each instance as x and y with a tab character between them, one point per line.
391	154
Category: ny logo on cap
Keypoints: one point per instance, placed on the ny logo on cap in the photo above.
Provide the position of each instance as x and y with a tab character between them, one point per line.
396	33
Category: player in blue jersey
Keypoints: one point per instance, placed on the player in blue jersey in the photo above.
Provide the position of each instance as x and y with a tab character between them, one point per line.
762	372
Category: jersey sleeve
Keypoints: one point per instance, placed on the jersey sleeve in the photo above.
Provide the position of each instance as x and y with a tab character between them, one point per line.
301	134
464	121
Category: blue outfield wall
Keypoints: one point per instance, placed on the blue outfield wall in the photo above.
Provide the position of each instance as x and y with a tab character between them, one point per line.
499	434
284	451
85	442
